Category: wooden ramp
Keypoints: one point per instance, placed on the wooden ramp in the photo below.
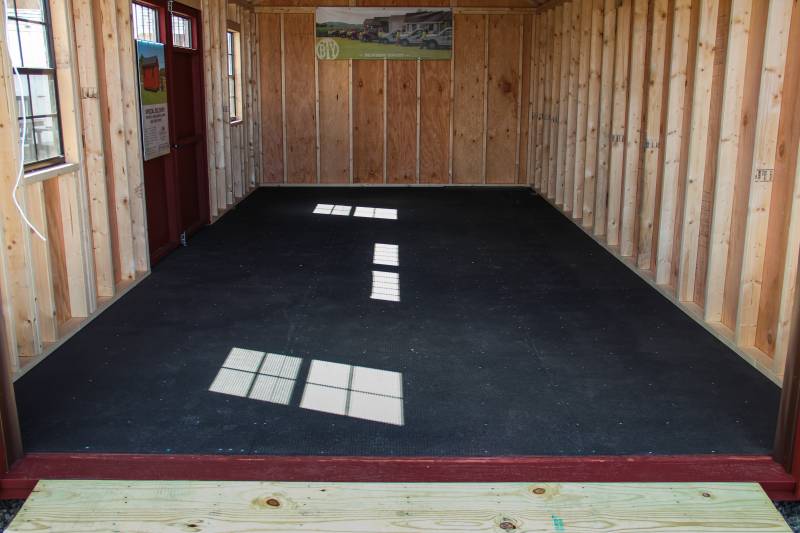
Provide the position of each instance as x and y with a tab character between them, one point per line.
185	506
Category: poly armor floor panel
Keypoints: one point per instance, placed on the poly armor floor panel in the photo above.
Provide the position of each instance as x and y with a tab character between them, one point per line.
448	322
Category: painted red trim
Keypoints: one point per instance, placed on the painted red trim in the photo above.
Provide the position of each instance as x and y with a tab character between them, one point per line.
761	469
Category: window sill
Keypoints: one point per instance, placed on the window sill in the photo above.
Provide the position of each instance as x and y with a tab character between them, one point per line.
46	173
236	122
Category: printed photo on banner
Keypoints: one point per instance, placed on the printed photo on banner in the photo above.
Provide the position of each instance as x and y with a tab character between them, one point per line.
384	33
153	99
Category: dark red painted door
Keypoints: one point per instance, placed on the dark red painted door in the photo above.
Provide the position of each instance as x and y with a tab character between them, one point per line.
176	184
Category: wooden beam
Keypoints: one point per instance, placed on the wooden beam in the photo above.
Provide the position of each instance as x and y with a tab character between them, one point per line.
593	114
606	110
572	108
582	109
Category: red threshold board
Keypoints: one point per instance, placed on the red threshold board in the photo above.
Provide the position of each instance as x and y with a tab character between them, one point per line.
712	468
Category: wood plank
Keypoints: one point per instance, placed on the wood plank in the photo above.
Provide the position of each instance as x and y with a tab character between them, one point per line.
572	106
653	149
434	143
680	62
468	122
298	43
208	87
634	129
116	154
525	100
698	146
541	68
606	111
766	149
271	109
547	110
368	126
226	112
563	105
271	506
618	121
41	265
707	201
582	109
502	98
334	104
777	246
593	114
401	94
555	97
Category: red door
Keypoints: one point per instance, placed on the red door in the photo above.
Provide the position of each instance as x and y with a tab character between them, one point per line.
176	184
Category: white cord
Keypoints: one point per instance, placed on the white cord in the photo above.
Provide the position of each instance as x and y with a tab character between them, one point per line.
23	134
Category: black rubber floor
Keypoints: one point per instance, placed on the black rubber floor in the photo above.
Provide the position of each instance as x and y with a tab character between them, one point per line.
516	334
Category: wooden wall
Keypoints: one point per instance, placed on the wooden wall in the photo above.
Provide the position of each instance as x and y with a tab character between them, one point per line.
464	121
91	210
678	151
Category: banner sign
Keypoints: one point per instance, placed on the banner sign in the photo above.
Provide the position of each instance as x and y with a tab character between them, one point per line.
153	99
384	33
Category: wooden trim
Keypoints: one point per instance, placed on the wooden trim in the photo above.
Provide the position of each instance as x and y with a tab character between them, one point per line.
706	468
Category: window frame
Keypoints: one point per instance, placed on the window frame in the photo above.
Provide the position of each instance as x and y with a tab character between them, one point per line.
233	63
52	73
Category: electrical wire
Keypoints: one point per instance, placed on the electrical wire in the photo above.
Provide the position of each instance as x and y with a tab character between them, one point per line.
23	134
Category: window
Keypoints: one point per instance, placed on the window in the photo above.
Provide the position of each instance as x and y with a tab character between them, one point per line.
233	81
30	45
181	32
145	23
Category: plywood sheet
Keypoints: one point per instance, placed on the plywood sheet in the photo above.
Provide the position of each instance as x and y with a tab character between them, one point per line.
334	122
434	135
503	96
468	98
368	127
301	120
401	119
271	108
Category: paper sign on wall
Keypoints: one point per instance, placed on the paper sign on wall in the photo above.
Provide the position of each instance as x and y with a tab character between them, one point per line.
153	99
384	33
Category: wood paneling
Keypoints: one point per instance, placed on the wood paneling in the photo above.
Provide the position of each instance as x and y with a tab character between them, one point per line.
334	121
469	85
368	122
271	100
434	141
298	42
401	120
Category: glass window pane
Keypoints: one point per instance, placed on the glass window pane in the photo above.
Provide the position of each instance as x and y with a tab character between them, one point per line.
21	84
30	148
30	10
43	94
181	31
35	49
47	137
145	23
13	43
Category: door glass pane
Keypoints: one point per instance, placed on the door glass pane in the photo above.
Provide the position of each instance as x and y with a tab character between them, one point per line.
43	94
145	23
181	32
46	136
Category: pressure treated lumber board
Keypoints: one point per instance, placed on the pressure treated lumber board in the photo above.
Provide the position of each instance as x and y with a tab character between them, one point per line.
144	506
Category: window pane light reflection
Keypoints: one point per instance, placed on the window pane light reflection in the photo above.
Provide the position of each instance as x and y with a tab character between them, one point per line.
385	286
268	377
386	254
354	391
330	209
375	212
